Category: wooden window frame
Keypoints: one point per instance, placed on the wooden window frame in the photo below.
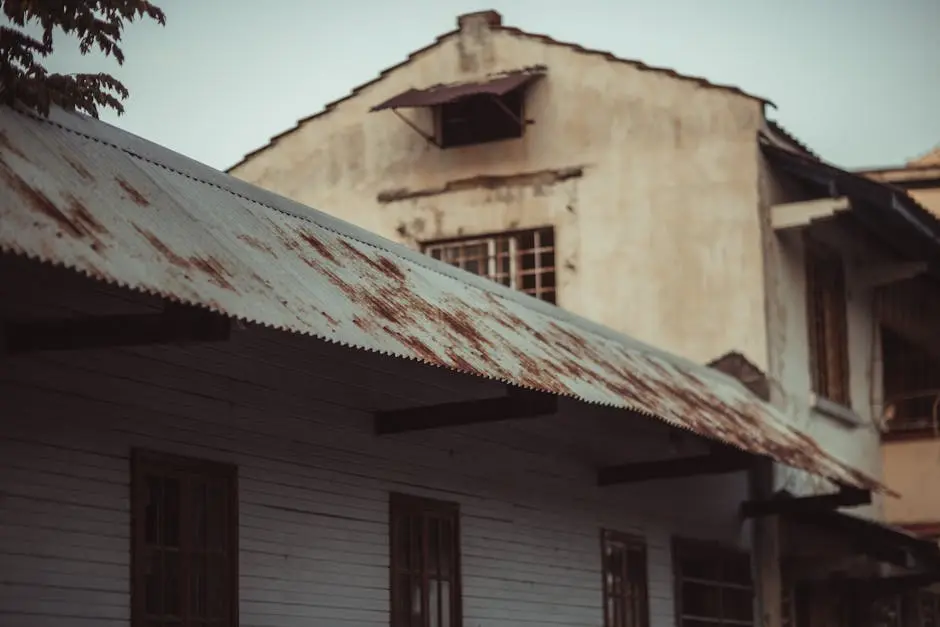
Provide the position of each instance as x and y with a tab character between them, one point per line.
681	548
827	322
403	505
504	257
631	543
145	463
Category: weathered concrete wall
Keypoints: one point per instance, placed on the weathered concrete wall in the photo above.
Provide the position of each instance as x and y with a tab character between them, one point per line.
657	237
789	364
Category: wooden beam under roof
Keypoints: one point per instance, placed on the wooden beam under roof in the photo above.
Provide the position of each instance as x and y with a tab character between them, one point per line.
175	324
797	215
721	460
516	403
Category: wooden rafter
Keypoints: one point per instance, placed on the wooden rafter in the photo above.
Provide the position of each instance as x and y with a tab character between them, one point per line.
175	324
516	403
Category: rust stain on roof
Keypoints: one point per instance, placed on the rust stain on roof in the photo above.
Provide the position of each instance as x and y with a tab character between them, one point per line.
81	170
9	147
256	243
339	283
132	193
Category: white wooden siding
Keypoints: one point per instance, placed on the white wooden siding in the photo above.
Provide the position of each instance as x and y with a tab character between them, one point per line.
313	480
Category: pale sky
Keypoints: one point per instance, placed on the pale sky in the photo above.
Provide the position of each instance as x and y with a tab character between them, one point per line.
857	80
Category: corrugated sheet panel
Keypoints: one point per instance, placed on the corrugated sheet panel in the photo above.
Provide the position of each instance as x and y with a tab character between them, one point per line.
85	195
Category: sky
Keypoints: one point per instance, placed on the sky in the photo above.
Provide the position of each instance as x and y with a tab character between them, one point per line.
856	80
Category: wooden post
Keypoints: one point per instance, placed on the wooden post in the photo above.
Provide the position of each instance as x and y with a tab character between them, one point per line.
765	550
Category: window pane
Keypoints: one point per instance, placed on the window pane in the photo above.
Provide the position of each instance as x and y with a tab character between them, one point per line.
700	600
424	593
198	588
162	583
217	515
521	260
737	569
738	604
183	546
700	568
217	579
625	581
439	603
162	524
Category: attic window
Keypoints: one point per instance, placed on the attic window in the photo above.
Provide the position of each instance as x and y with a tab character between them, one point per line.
480	119
469	113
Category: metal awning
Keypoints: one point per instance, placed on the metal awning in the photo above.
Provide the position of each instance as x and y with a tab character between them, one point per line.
81	194
443	94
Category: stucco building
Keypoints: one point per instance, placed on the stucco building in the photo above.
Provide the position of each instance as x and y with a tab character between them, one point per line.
657	204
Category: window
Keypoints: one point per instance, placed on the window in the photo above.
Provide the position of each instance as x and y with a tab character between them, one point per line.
481	118
713	586
626	603
523	260
425	563
828	325
184	543
911	388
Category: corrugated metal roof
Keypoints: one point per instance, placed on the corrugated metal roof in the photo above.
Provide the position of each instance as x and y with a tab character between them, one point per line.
85	195
443	94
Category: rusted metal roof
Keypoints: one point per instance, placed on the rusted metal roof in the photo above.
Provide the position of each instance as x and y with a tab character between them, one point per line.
443	94
82	194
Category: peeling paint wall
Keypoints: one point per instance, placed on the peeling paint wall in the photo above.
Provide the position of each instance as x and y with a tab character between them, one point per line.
649	180
789	364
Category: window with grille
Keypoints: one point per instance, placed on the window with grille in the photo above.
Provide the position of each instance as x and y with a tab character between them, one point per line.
828	323
523	260
713	586
425	563
626	601
184	542
911	379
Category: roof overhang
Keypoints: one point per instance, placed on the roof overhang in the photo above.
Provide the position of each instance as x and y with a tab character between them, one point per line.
879	541
444	94
78	193
899	222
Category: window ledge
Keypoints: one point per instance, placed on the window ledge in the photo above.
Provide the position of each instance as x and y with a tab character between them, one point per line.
836	411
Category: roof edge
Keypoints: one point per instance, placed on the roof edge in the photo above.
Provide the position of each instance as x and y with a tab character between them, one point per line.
328	107
514	31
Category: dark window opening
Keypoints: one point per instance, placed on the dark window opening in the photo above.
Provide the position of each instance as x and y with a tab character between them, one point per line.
523	260
184	541
425	563
626	600
481	118
911	378
713	586
828	324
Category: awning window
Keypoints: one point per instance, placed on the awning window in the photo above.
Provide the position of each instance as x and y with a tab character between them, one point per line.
470	113
444	94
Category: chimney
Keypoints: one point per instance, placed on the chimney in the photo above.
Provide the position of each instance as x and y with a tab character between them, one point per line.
481	20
